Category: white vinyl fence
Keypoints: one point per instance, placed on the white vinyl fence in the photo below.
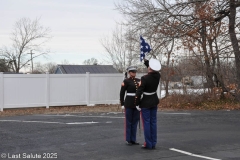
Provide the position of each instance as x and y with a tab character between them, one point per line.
44	90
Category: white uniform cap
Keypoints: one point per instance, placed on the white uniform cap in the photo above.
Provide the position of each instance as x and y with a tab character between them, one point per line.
154	64
132	68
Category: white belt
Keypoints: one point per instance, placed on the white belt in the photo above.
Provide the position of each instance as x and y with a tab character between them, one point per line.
146	93
131	94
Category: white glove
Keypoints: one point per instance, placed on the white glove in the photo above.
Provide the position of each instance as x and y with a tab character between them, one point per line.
122	107
139	109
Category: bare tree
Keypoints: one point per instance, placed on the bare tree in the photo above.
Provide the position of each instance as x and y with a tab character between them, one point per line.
27	35
49	67
38	69
3	66
200	22
91	61
233	4
65	62
121	49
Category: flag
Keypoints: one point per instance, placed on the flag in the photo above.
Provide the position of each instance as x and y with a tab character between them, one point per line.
145	48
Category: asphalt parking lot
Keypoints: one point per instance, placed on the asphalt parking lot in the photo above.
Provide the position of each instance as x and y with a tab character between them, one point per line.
185	135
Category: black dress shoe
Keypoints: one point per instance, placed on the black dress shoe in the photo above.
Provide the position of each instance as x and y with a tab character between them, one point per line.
134	143
144	147
153	147
128	143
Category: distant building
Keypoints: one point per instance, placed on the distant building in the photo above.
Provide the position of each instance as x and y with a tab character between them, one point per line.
191	81
82	69
198	81
187	81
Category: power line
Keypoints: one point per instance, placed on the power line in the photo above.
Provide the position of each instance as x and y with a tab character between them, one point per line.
31	59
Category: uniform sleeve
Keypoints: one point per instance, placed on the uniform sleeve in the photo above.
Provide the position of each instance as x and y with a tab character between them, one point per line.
122	92
140	90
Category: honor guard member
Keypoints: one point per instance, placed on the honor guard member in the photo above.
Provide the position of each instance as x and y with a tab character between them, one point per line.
149	102
132	115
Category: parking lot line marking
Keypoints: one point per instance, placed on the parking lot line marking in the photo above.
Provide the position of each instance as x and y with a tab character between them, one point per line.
99	117
48	122
178	113
191	154
82	122
29	121
68	115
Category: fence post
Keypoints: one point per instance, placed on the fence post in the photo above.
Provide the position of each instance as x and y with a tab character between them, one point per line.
1	92
87	88
47	90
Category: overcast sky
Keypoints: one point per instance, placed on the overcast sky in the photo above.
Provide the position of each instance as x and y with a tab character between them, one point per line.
76	25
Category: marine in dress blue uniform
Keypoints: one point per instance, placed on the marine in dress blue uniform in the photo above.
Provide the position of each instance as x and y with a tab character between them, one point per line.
148	103
132	115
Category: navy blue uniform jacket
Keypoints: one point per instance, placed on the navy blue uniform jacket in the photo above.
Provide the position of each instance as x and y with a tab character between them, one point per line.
130	85
149	84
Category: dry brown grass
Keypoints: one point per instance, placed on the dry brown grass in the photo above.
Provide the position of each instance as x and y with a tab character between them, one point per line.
61	110
171	103
199	102
64	110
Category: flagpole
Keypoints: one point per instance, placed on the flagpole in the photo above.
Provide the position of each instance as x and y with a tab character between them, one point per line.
152	54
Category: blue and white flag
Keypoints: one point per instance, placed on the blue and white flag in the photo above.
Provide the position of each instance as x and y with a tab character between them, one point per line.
145	48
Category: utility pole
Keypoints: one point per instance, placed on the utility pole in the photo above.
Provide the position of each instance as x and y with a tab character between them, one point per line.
31	59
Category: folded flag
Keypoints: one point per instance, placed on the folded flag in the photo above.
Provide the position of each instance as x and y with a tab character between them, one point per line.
145	48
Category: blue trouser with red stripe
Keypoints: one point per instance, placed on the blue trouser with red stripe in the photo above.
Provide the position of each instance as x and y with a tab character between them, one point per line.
132	116
149	118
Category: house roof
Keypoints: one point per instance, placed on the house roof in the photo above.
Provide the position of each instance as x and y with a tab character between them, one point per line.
82	69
